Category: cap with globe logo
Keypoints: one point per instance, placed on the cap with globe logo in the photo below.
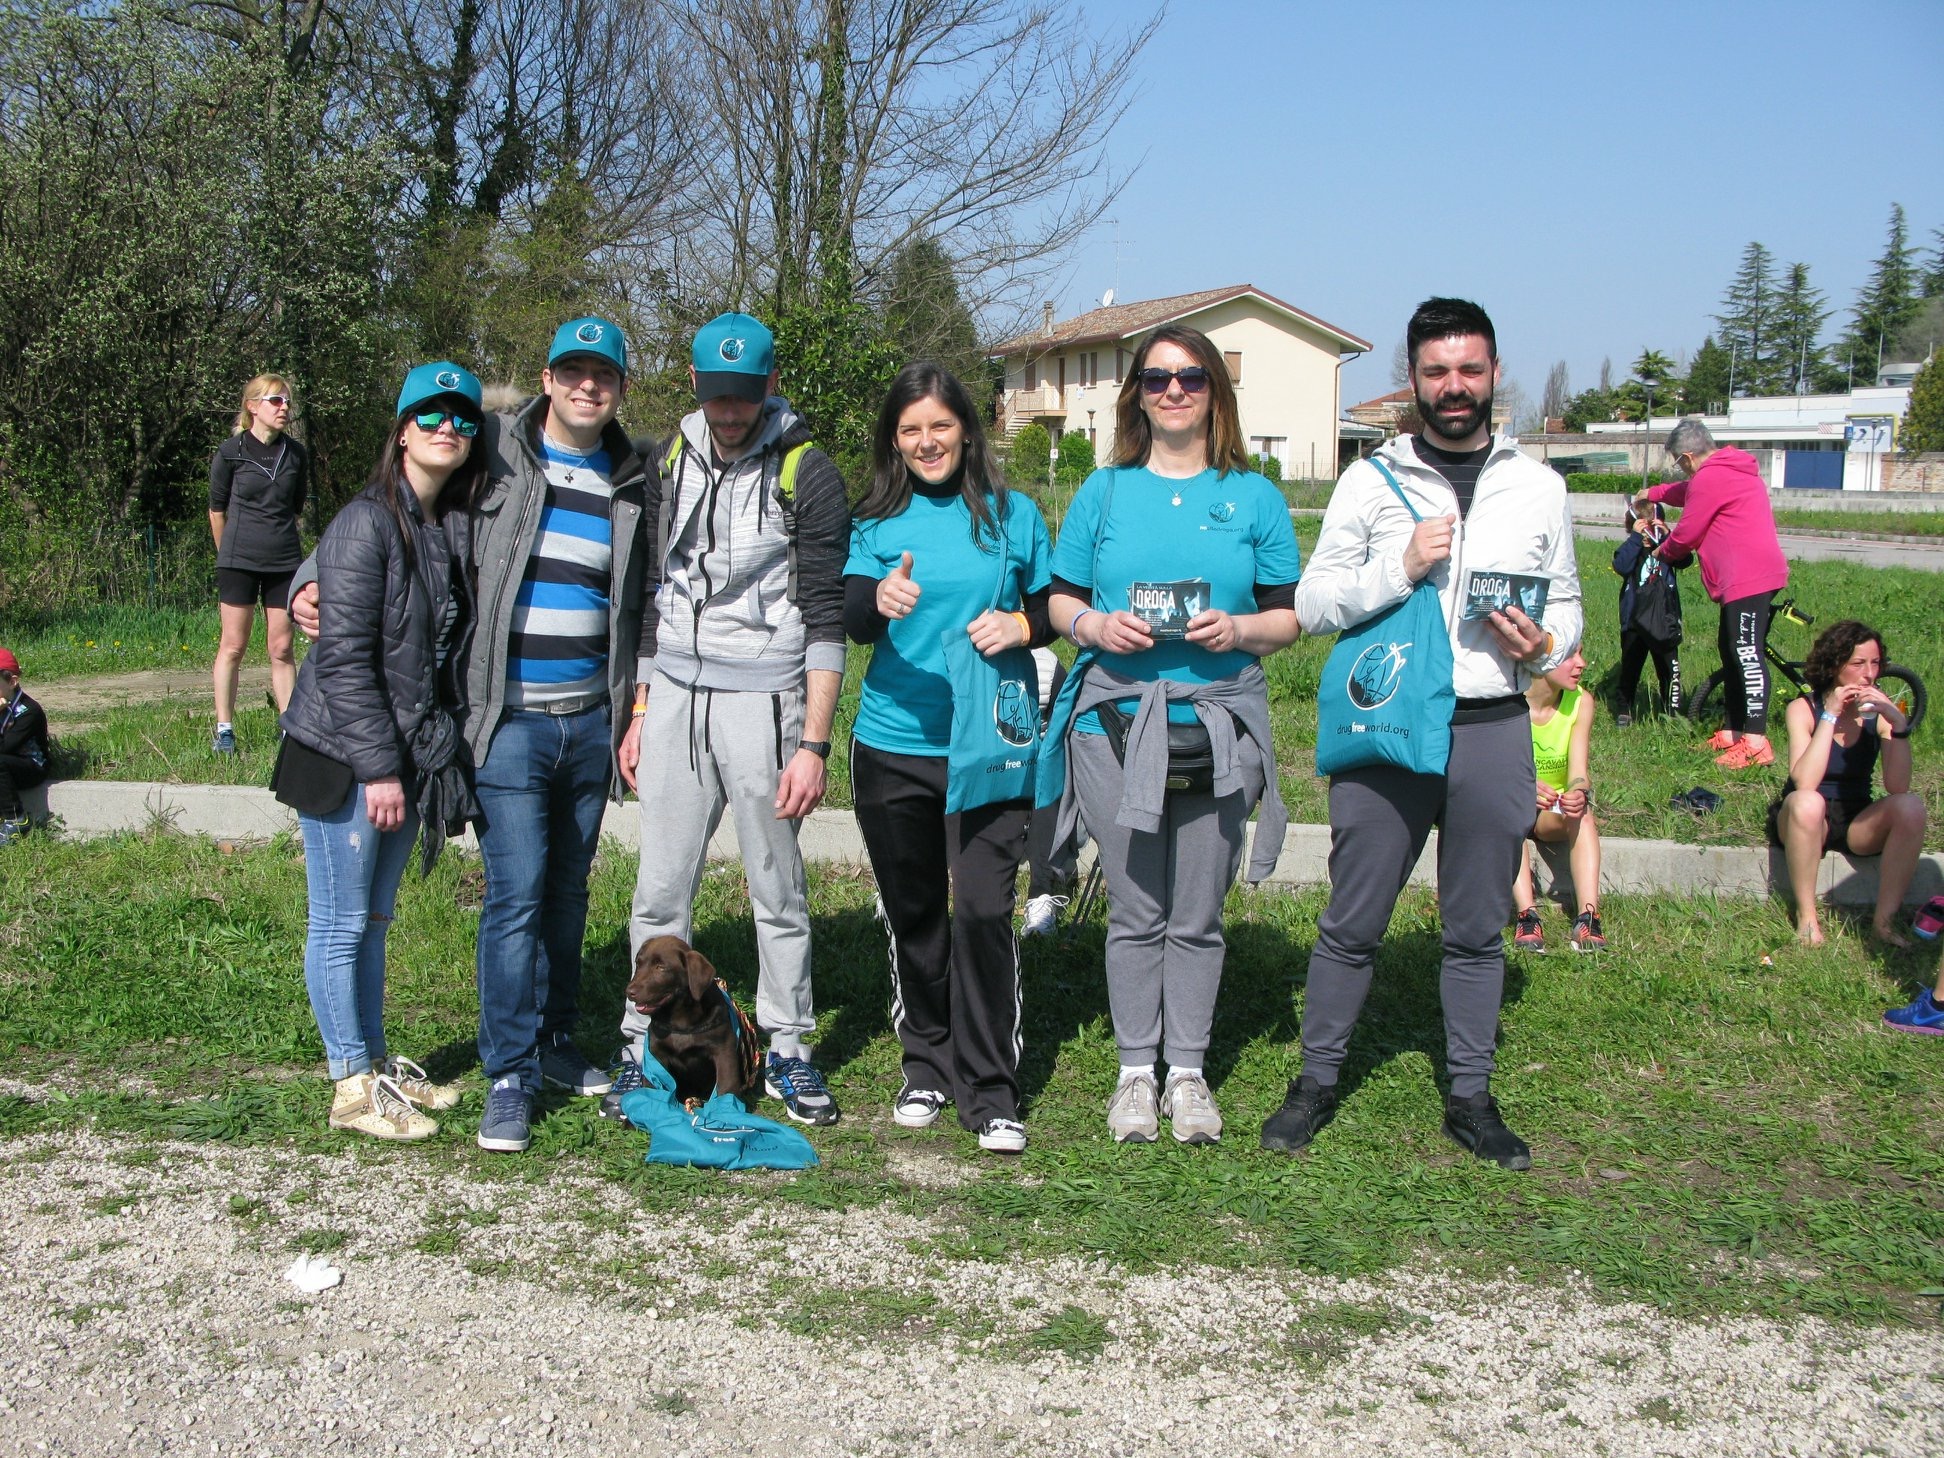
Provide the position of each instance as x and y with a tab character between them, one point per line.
600	338
733	355
441	377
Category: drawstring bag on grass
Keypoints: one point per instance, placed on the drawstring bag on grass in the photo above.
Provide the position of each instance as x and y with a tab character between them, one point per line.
722	1134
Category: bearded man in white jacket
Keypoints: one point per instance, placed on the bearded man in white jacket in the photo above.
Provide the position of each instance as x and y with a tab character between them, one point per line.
1485	505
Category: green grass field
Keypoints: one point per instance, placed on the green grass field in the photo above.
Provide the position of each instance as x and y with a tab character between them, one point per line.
1891	523
1710	1134
1635	771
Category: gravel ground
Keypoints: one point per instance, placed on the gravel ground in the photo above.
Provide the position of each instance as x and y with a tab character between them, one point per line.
148	1311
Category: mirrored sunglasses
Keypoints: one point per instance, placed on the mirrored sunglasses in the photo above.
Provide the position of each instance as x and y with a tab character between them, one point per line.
430	420
274	399
1193	380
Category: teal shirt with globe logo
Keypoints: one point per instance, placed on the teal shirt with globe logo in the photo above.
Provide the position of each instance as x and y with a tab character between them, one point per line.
906	705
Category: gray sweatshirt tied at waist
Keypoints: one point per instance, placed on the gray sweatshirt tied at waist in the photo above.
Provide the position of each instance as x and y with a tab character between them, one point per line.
1144	783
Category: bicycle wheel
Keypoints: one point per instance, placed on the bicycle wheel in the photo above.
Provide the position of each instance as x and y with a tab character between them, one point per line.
1907	689
1705	702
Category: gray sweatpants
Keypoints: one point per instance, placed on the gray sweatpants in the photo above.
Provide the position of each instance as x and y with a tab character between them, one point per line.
703	751
1164	903
1379	819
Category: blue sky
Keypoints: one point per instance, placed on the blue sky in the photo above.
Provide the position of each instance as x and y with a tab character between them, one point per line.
1588	173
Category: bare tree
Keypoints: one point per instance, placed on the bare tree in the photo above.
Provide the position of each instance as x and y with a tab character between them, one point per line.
1400	372
977	122
1552	403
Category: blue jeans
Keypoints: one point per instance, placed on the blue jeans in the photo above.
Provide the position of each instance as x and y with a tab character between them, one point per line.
543	787
353	872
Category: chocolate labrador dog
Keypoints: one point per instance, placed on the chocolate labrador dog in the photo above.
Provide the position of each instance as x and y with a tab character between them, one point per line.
695	1030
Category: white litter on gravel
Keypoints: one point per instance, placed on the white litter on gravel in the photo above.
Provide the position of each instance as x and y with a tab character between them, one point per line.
553	1314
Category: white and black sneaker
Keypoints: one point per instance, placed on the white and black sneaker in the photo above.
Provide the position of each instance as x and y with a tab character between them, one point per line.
801	1088
918	1108
1003	1136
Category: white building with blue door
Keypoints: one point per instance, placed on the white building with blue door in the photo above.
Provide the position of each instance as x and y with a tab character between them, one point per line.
1803	442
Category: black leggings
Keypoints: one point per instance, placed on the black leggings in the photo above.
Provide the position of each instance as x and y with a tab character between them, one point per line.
1635	649
1744	671
17	773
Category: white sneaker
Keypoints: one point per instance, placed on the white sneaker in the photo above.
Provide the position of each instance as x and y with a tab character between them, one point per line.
1003	1136
1131	1114
1042	915
419	1089
1191	1110
371	1103
918	1108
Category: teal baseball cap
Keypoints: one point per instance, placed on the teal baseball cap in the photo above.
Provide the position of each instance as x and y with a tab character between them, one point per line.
441	377
600	338
733	355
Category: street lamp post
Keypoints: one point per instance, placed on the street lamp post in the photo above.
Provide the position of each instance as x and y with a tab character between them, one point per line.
1647	436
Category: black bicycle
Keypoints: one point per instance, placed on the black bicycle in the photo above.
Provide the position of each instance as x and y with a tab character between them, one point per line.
1904	688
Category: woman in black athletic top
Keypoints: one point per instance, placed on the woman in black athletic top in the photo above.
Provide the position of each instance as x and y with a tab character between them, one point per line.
1838	733
257	484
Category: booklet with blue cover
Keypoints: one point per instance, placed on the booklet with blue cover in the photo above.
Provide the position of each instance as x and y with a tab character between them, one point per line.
1489	592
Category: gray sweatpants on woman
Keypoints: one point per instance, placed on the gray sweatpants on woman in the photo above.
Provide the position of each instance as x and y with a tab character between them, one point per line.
1164	903
1379	819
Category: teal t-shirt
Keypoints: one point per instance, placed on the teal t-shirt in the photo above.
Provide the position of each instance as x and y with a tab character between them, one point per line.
907	701
1230	532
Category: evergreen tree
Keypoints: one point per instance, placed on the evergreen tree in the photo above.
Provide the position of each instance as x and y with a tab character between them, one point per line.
1886	303
1799	316
1923	424
1029	455
1705	391
1747	321
925	317
1931	284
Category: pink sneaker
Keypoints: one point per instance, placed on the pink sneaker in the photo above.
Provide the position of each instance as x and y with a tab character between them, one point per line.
1929	920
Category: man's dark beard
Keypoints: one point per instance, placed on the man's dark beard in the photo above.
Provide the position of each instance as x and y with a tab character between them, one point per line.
1437	426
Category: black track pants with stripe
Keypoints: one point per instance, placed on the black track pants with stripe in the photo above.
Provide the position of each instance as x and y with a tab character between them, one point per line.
954	969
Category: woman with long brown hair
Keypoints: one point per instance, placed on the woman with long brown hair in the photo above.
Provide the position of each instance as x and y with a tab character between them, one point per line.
1175	573
371	737
257	483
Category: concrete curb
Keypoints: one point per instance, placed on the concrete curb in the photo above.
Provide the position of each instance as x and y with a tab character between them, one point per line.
245	812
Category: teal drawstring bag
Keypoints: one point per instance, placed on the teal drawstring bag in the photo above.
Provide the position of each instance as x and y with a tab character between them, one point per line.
1386	695
995	716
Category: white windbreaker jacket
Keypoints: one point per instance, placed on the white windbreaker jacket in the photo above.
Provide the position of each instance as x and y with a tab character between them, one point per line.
1519	522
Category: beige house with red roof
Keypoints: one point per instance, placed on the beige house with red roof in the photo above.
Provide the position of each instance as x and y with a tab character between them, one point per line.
1286	366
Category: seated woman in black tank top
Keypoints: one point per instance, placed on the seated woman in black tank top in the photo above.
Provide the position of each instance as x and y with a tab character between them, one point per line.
1838	734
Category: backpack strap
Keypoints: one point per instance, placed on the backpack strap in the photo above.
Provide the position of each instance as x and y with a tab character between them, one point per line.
665	514
786	480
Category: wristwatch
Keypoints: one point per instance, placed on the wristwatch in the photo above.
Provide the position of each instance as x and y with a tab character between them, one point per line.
818	747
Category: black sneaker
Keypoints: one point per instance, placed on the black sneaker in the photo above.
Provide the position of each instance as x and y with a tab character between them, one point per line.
1475	1123
1309	1106
626	1079
801	1087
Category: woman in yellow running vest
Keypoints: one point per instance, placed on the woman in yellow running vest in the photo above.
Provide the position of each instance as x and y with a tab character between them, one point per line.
1562	738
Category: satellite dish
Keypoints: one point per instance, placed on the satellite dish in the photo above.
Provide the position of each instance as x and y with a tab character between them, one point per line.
1107	299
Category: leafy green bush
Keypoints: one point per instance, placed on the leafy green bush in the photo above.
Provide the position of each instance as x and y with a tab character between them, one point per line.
1612	483
1076	459
1026	460
1267	466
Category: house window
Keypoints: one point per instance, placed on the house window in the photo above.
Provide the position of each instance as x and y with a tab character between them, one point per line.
1090	368
1032	374
1233	359
1120	365
1063	372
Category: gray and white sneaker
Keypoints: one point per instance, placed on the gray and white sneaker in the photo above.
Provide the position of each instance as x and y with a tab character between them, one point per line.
1132	1116
507	1125
1042	916
562	1065
1191	1110
918	1108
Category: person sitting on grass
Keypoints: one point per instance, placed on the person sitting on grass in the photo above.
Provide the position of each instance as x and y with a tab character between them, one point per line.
24	750
1838	733
1562	738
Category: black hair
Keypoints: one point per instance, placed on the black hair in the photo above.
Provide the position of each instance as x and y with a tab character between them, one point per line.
461	487
981	482
1439	318
1833	648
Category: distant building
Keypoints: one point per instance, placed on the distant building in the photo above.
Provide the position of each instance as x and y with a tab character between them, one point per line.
1285	364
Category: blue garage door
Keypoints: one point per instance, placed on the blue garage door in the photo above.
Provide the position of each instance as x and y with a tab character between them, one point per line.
1813	470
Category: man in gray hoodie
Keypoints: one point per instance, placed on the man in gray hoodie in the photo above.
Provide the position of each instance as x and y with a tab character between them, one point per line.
742	655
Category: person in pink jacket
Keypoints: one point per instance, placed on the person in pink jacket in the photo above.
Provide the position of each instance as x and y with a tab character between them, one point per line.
1726	519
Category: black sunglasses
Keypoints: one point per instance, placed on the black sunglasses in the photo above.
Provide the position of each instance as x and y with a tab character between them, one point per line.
1193	380
430	420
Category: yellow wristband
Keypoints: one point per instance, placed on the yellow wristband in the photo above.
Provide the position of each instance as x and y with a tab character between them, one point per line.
1025	628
